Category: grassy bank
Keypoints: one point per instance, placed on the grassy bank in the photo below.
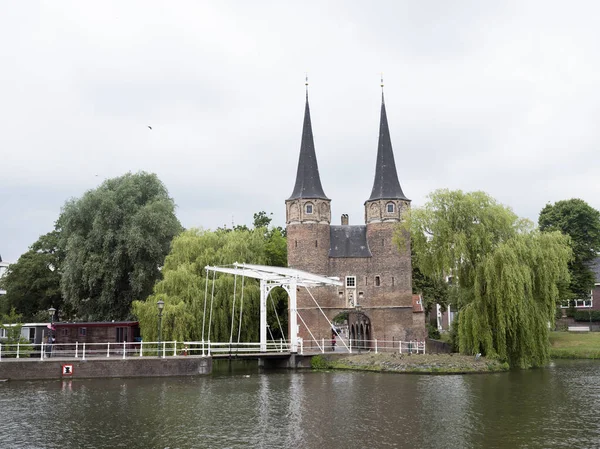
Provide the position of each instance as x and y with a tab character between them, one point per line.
404	363
575	345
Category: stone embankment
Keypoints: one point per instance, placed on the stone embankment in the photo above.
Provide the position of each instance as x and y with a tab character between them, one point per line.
411	363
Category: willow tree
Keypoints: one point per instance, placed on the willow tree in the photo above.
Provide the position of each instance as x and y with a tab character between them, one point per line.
185	286
515	291
494	258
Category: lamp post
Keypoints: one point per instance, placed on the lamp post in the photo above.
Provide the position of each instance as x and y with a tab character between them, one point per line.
161	305
51	311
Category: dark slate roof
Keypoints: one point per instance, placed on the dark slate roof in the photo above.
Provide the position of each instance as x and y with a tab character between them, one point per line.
386	185
348	241
595	267
308	182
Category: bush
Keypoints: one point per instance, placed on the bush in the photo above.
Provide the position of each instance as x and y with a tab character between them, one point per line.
319	362
433	332
587	315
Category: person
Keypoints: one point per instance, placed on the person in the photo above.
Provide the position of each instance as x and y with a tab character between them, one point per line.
333	341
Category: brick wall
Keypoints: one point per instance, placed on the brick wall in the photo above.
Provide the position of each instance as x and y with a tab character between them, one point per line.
388	304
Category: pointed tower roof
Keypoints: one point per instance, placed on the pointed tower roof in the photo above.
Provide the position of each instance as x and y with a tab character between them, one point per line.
308	182
386	185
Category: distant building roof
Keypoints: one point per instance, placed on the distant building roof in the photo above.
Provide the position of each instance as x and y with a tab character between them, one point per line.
595	267
417	302
97	324
348	241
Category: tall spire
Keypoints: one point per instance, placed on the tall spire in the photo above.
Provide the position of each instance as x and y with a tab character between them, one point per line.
308	182
386	185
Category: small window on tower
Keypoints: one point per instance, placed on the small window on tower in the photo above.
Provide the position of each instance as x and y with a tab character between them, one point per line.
350	281
377	281
309	208
390	208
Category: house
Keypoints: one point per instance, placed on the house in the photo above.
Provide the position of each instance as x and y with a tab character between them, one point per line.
33	332
593	302
376	274
97	332
3	270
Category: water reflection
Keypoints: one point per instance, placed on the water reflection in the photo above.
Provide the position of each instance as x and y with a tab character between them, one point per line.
240	407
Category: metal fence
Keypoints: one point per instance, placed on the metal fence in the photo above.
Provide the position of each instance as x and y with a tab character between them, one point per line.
165	349
85	351
354	346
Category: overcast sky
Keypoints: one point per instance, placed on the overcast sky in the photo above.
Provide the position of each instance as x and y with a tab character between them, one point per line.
494	96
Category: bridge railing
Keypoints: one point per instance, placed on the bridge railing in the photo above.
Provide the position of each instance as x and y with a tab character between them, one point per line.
207	348
164	349
85	351
357	346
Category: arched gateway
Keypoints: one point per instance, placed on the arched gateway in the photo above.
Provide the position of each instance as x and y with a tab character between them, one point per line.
375	274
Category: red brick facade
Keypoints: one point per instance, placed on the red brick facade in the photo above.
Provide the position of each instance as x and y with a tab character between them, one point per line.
388	305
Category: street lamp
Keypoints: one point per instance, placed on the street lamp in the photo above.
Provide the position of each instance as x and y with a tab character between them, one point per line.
51	311
161	305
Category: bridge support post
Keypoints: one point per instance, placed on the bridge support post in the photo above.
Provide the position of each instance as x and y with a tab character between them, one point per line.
263	315
293	318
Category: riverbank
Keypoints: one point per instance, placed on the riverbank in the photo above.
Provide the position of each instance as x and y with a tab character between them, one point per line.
405	363
575	345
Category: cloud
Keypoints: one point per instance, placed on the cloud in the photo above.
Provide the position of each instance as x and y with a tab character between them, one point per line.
497	97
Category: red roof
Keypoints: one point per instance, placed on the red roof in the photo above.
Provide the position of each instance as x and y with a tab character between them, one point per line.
100	324
417	303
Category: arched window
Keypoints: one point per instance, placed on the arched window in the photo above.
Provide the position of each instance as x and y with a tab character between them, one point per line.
309	208
391	208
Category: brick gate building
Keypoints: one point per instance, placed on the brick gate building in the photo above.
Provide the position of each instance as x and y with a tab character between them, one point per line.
376	274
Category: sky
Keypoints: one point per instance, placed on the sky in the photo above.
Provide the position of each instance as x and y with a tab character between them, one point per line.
495	96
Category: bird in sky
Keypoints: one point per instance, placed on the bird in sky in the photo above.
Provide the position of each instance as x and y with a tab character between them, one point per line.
150	127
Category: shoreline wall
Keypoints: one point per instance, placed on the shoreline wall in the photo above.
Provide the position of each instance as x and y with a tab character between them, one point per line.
27	369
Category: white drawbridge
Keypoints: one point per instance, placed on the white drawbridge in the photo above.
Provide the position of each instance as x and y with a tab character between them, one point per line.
270	277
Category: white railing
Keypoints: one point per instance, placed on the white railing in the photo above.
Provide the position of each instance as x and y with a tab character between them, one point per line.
164	349
207	348
354	346
85	351
123	350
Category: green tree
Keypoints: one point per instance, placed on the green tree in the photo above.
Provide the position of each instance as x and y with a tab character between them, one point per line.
515	292
115	239
33	282
506	275
12	325
581	223
185	284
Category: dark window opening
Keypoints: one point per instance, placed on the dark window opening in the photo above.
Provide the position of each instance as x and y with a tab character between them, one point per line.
316	243
121	334
377	281
82	331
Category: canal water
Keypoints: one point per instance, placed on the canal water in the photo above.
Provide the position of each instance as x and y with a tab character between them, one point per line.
239	407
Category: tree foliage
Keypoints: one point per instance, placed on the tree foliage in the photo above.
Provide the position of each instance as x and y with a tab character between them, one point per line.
507	276
515	293
581	223
12	325
115	239
185	284
33	282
